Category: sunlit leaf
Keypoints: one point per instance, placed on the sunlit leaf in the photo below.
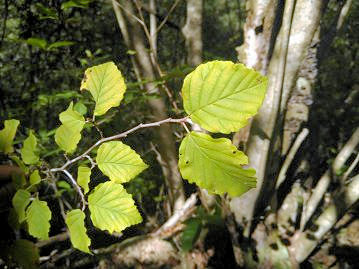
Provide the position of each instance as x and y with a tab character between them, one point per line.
20	201
221	96
68	135
75	221
215	165
25	254
38	217
106	84
112	208
29	151
35	177
83	177
37	42
7	135
119	162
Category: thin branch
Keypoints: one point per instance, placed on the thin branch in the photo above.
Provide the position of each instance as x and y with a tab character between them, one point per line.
53	239
351	167
118	136
74	183
323	183
303	243
177	216
167	16
298	142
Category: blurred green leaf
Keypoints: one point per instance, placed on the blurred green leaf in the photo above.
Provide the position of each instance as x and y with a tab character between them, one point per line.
191	233
29	151
20	201
7	135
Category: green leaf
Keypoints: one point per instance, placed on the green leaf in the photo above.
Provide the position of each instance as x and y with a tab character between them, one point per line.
7	135
106	84
37	42
112	208
38	217
76	224
35	177
25	254
19	163
215	165
20	201
83	177
29	152
60	44
190	233
80	108
119	162
221	96
68	135
47	13
75	3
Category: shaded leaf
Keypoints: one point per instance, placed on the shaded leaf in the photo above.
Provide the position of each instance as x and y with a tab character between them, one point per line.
190	233
25	254
38	217
80	108
60	44
112	208
68	135
215	165
7	135
76	225
221	96
29	152
106	84
20	201
83	177
119	162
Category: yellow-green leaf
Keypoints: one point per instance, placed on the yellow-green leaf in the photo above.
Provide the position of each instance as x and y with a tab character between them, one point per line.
215	165
119	162
112	208
38	217
29	152
106	85
75	221
7	135
20	201
35	177
68	135
83	177
221	96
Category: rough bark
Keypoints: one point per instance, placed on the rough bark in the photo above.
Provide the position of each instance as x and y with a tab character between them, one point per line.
134	37
299	23
305	242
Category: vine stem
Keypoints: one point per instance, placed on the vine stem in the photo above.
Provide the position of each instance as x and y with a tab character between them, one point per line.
118	136
73	181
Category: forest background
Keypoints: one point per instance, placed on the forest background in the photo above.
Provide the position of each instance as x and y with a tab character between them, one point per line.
303	143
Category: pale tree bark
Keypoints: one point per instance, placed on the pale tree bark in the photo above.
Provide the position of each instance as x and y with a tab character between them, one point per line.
299	23
192	32
143	62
